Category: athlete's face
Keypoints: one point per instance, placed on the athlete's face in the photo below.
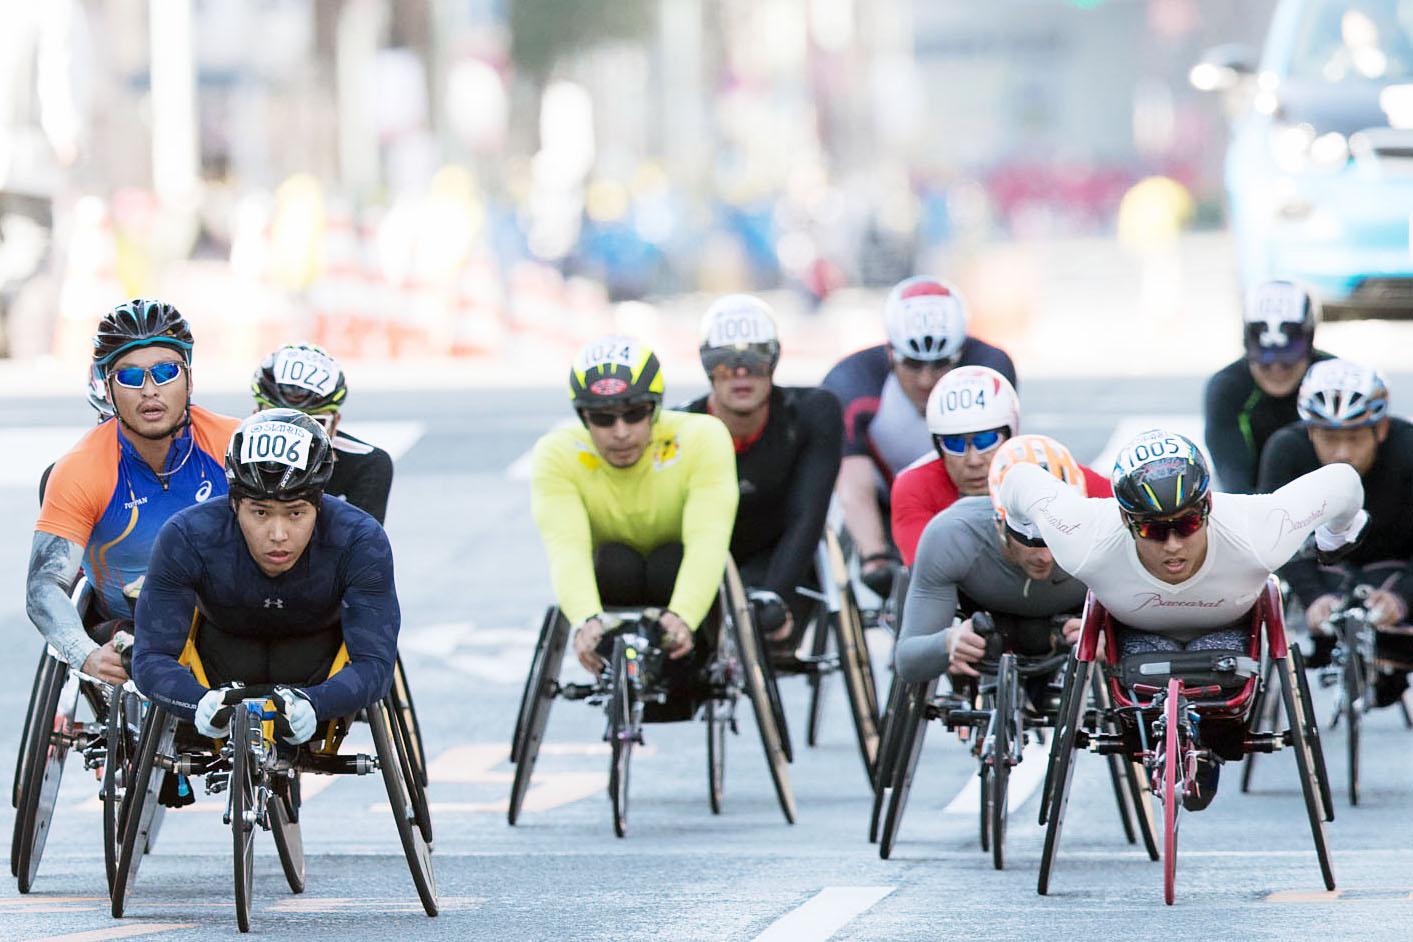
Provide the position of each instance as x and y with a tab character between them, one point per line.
1278	379
1353	446
1174	559
276	532
917	377
739	391
151	411
969	471
1035	561
623	442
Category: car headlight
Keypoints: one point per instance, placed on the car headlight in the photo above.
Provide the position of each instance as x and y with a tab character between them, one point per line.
1296	147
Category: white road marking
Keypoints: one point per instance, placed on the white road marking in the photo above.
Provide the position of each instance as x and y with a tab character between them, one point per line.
396	438
1191	425
824	914
1026	777
129	931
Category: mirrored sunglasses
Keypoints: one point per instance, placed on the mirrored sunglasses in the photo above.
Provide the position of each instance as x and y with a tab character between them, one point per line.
956	445
605	418
133	377
725	361
1159	530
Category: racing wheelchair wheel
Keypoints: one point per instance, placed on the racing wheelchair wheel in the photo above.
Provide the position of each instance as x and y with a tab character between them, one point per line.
283	809
1005	732
1263	716
1300	712
139	810
717	721
414	845
117	773
408	727
547	626
887	755
620	736
859	685
1174	752
244	812
1352	676
1312	730
540	688
22	757
405	746
1060	770
740	629
1132	791
912	730
48	747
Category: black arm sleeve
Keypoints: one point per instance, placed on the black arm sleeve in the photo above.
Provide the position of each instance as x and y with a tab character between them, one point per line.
1232	457
816	466
364	480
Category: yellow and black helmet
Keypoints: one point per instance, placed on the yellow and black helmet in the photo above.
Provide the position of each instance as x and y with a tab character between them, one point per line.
613	372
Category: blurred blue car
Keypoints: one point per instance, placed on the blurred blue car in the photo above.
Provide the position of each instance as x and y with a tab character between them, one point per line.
1319	170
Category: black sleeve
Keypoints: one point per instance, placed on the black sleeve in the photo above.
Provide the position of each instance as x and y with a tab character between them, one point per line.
1286	457
821	431
1231	451
366	481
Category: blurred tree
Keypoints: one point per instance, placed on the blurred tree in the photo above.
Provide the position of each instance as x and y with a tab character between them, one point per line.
542	30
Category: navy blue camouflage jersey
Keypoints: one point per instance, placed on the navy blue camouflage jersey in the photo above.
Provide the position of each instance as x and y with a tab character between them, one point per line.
342	581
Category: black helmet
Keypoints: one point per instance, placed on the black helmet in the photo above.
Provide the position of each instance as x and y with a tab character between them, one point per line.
279	454
299	376
615	371
140	322
1160	474
1279	322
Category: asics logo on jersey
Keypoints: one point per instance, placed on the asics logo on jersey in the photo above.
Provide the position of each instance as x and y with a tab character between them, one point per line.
274	603
203	492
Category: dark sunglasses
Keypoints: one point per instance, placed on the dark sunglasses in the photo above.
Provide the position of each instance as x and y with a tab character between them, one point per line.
725	361
604	418
1034	542
133	377
957	444
913	365
1159	530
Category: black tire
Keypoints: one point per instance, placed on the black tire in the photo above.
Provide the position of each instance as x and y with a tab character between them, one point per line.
1354	694
1006	730
887	755
859	684
244	780
1061	766
408	726
22	757
284	827
1264	716
1300	723
620	738
551	619
911	735
819	646
139	807
117	772
777	705
736	618
414	846
1099	692
417	790
43	772
716	720
540	688
1312	730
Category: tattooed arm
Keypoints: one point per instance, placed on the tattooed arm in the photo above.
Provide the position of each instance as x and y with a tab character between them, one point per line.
53	568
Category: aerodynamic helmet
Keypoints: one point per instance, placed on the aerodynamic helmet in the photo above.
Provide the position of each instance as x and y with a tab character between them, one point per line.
1341	394
279	454
1160	474
926	319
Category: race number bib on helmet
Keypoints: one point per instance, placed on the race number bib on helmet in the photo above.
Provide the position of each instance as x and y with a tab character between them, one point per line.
279	442
929	314
308	369
739	325
1151	447
611	351
1276	303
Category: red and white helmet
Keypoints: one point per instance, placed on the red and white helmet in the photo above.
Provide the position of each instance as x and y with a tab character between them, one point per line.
926	319
972	399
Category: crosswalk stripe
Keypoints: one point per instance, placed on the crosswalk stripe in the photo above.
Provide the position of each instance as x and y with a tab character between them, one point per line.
1026	777
114	932
824	914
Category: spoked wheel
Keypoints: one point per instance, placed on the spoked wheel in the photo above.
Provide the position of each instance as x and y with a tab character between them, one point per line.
284	827
887	755
243	814
1006	732
117	772
717	718
414	846
912	731
41	671
1302	720
139	809
408	727
1172	757
48	747
540	688
547	628
1353	704
620	737
1312	728
1263	717
1061	766
743	634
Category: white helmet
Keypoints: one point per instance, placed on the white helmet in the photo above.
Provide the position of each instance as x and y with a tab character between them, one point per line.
739	328
972	399
1341	394
926	319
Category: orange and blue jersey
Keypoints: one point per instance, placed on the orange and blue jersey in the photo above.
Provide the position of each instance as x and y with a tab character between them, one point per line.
103	496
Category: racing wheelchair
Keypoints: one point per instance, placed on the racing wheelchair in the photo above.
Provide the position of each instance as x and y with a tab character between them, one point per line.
1171	712
1009	706
628	685
261	778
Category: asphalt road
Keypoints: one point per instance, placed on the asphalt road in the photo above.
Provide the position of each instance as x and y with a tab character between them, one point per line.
473	587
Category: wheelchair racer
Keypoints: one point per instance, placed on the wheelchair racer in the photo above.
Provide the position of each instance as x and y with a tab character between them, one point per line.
104	502
1247	401
1177	566
635	507
883	391
971	411
787	442
286	584
972	557
1344	417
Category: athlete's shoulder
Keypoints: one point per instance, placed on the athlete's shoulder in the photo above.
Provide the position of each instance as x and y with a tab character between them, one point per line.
977	352
705	433
98	446
861	373
698	405
202	522
212	431
1234	379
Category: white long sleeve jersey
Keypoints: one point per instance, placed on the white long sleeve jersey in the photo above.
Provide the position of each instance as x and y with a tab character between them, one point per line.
1248	537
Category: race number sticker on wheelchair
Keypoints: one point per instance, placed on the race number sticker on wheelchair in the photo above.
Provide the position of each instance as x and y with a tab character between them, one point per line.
278	442
306	368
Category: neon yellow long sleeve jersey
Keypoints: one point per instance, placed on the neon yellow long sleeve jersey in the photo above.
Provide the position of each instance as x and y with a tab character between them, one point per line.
682	488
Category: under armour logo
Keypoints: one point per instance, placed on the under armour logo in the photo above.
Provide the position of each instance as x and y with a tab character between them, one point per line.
274	603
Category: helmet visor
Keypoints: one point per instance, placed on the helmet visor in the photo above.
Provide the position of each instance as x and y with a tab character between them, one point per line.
1284	343
725	361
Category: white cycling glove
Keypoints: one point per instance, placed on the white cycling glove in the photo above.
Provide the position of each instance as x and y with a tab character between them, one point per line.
211	703
299	713
1330	540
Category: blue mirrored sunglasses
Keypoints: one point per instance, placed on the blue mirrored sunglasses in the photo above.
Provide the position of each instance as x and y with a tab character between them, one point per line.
981	441
133	377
